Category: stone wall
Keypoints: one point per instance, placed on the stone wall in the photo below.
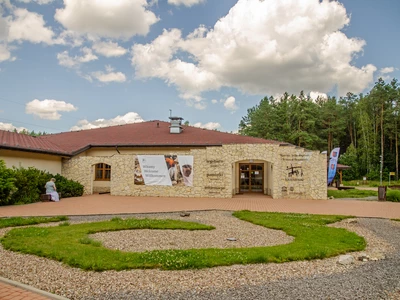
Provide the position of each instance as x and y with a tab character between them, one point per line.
291	172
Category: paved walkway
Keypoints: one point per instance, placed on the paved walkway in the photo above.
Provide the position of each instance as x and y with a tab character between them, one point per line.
11	290
106	204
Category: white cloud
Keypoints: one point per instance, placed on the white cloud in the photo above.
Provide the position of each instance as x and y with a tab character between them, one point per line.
5	54
64	59
109	76
155	60
109	49
230	104
384	73
48	109
69	37
386	70
40	2
6	3
187	3
200	105
3	27
29	26
315	95
10	127
115	19
209	125
214	101
128	118
260	47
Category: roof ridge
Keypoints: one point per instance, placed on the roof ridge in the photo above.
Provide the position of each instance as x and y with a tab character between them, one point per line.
139	134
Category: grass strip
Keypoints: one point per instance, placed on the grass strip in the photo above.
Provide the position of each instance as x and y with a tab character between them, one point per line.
19	221
71	244
354	193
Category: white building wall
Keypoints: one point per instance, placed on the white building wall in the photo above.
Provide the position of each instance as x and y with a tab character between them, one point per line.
45	162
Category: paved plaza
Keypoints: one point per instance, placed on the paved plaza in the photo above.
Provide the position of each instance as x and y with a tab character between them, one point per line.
107	204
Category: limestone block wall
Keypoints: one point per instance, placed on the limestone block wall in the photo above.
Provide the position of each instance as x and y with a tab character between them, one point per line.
81	169
101	186
290	172
300	174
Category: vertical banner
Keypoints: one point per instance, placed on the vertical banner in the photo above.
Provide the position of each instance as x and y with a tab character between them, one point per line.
332	164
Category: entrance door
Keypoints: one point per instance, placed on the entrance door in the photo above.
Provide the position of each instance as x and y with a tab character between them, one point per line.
251	177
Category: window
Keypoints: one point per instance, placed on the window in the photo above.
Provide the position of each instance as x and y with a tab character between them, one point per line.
103	172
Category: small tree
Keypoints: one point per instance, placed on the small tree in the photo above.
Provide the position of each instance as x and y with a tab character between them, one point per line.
350	159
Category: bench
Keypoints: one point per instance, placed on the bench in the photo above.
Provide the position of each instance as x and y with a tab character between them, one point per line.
346	188
47	197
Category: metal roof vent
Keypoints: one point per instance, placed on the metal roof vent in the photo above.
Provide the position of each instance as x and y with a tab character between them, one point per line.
176	123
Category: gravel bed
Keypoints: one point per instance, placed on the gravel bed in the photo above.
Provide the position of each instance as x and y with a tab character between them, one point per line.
226	226
318	279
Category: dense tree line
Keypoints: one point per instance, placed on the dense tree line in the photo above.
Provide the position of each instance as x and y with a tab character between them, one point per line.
31	133
365	127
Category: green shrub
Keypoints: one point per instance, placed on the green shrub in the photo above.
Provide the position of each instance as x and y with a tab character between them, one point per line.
68	188
374	174
24	185
29	183
393	195
7	186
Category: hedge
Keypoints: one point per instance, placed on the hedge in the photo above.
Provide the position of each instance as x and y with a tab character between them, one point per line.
24	185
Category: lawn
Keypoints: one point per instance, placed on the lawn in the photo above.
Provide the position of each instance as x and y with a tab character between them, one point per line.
353	193
18	221
71	245
371	183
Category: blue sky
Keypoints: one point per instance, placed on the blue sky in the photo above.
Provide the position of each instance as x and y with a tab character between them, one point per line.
79	64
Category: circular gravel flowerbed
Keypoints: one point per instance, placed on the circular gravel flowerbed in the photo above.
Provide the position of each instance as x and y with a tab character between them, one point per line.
234	282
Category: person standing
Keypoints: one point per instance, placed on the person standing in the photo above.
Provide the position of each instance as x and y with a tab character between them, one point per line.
51	189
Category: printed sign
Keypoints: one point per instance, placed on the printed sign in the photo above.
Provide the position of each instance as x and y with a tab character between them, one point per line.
167	170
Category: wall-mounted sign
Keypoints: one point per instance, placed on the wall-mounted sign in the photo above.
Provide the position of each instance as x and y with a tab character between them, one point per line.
165	170
294	173
296	157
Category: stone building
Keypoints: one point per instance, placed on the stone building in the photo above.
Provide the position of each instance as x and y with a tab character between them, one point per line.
169	159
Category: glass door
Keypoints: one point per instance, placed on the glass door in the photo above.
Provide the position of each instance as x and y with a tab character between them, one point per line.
244	178
256	178
251	178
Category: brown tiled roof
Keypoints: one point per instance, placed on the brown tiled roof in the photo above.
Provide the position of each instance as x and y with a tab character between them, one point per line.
23	142
342	167
145	134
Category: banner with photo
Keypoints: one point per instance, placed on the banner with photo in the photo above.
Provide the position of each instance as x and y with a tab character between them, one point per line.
332	164
168	170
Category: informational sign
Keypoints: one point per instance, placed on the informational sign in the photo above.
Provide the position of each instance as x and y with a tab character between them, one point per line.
167	170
